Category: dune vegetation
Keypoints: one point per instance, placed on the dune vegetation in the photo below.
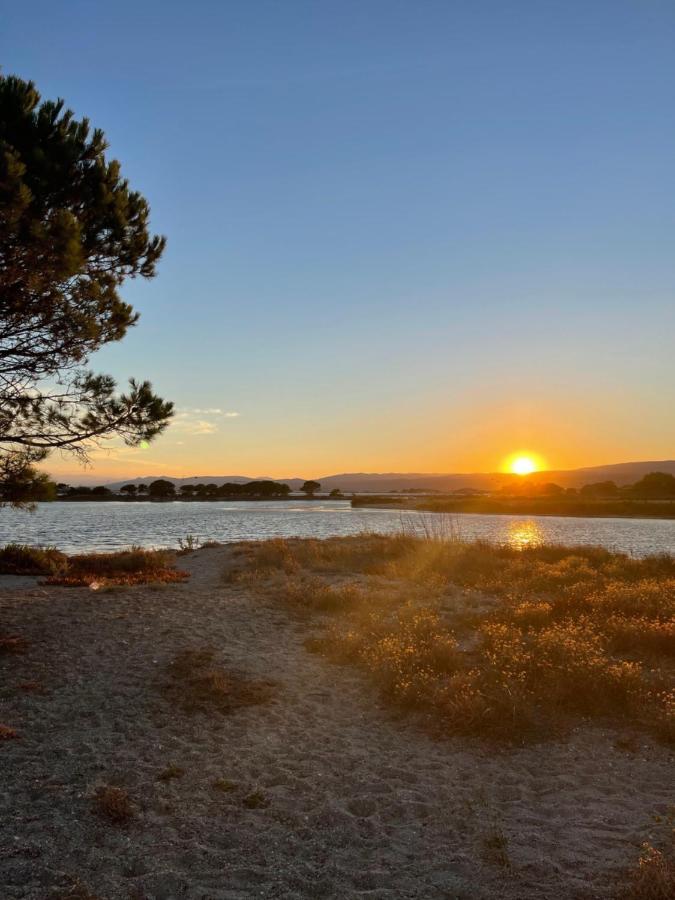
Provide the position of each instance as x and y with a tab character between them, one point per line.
487	640
123	567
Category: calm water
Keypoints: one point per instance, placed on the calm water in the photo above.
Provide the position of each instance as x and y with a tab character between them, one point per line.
111	525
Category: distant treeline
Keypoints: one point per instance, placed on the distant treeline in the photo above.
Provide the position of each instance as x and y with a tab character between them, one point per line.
654	486
651	497
163	489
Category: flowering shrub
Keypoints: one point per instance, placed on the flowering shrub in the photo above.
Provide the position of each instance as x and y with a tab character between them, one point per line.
568	632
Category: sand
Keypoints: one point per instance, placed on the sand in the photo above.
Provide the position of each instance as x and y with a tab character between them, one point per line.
362	803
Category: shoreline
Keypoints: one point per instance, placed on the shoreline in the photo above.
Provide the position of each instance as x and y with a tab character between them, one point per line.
448	508
257	800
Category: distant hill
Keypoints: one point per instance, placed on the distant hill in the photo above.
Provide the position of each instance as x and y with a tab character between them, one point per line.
374	482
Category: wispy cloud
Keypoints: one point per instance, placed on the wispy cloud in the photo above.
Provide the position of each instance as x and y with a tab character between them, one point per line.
200	420
202	426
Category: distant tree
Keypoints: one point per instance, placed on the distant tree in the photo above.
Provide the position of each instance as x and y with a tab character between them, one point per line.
71	232
62	489
552	490
80	489
310	488
265	488
187	490
100	490
161	488
129	489
655	486
142	489
336	493
600	490
211	490
230	489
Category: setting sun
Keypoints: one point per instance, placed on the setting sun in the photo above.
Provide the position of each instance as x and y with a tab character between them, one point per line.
523	465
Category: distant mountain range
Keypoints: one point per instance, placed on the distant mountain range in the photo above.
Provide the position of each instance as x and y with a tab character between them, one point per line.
361	482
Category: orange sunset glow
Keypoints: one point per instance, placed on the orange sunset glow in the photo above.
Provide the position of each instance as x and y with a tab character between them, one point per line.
337	449
523	464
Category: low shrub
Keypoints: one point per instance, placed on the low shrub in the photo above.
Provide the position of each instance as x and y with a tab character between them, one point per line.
125	579
132	561
123	567
20	559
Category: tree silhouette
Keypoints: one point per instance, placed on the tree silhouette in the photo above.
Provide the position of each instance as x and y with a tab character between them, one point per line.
600	490
71	232
310	488
655	485
161	488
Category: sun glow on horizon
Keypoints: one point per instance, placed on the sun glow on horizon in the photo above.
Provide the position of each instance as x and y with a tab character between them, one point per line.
523	464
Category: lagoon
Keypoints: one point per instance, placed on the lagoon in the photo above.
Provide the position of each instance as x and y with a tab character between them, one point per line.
111	525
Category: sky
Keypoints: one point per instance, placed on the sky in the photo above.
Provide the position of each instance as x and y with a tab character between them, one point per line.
402	236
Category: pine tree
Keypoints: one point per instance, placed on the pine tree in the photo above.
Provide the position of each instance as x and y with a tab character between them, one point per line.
71	232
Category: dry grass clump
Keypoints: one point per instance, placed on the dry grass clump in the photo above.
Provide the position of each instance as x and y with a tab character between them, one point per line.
496	847
77	891
359	553
652	878
170	773
570	632
124	567
224	785
256	800
197	685
114	804
12	643
315	595
20	559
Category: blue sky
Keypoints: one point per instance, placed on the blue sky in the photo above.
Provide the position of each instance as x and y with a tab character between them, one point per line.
401	235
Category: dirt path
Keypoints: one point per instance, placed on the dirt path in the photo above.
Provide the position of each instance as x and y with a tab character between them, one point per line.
360	805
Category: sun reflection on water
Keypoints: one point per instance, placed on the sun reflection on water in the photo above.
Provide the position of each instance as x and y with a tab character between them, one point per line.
524	533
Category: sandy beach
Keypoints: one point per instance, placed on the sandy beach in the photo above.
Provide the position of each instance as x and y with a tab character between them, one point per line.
350	799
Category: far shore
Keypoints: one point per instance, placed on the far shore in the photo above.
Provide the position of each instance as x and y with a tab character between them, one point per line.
507	506
107	498
526	506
